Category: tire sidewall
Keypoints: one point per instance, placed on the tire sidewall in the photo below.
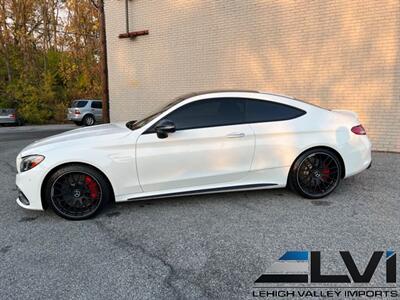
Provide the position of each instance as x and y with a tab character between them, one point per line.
104	185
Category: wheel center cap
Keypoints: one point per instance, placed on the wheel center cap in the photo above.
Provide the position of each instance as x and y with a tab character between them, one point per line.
317	174
77	193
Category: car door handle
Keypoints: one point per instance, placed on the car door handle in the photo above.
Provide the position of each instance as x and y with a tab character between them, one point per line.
236	135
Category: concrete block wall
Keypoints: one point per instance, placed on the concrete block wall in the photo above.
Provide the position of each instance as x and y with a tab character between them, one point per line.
337	54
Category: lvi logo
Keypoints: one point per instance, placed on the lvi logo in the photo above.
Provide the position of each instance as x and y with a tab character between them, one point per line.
305	267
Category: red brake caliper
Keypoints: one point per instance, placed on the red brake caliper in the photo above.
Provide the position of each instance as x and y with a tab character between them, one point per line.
325	172
93	188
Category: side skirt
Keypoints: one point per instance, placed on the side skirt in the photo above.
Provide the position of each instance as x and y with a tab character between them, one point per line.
208	191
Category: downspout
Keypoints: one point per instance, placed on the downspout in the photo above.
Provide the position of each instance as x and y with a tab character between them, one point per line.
104	72
127	16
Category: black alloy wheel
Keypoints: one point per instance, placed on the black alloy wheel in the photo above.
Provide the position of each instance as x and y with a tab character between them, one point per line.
77	192
316	173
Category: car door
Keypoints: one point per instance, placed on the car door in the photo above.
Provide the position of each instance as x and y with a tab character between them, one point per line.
96	108
211	147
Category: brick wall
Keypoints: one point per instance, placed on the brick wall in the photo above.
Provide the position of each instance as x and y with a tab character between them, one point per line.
338	54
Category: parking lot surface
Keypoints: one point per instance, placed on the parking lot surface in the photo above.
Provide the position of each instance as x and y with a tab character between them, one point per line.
199	247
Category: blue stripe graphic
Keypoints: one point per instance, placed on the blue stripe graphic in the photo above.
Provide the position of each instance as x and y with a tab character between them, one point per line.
295	255
389	253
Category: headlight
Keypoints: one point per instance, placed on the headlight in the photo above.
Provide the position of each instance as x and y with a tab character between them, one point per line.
29	162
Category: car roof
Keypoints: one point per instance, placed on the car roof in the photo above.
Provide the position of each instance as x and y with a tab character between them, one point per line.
285	99
87	100
201	93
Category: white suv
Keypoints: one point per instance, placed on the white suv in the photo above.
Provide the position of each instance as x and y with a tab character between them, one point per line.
85	112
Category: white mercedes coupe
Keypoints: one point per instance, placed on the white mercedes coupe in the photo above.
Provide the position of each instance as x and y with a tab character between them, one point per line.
201	143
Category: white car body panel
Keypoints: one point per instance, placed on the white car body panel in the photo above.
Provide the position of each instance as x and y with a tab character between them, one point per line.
211	156
255	156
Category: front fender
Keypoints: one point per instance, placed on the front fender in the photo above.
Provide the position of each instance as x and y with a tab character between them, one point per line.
116	163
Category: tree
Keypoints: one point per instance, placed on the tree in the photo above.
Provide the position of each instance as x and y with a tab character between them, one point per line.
49	56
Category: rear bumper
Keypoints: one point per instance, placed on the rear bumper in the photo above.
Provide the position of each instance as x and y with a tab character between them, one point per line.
8	121
358	158
74	117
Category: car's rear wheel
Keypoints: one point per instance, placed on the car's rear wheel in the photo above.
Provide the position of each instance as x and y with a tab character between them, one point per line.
77	192
316	173
88	120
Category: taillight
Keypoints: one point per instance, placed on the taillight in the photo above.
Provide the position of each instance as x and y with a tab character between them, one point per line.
359	130
77	112
12	116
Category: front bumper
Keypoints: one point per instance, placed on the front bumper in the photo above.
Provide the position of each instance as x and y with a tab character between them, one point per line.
29	184
23	201
22	198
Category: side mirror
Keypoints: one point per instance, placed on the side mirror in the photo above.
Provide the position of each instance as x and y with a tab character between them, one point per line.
164	127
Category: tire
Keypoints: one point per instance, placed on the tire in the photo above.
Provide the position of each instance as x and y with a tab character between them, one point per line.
88	120
315	173
77	192
78	123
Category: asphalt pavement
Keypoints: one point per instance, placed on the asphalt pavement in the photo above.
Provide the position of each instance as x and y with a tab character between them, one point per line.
198	247
29	133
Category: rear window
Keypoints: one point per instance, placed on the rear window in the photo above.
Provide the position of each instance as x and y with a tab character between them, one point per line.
266	111
79	103
7	111
96	104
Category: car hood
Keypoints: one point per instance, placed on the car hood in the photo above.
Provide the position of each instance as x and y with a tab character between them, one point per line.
90	135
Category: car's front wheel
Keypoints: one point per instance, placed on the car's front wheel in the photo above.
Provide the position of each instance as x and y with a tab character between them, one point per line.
316	173
77	192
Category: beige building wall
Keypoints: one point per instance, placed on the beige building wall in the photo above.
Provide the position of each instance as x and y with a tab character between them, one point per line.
338	54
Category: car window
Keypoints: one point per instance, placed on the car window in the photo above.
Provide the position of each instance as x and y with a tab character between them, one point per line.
267	111
134	124
96	104
7	111
79	103
208	113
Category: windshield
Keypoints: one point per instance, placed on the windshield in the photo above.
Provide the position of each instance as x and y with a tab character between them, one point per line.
138	124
